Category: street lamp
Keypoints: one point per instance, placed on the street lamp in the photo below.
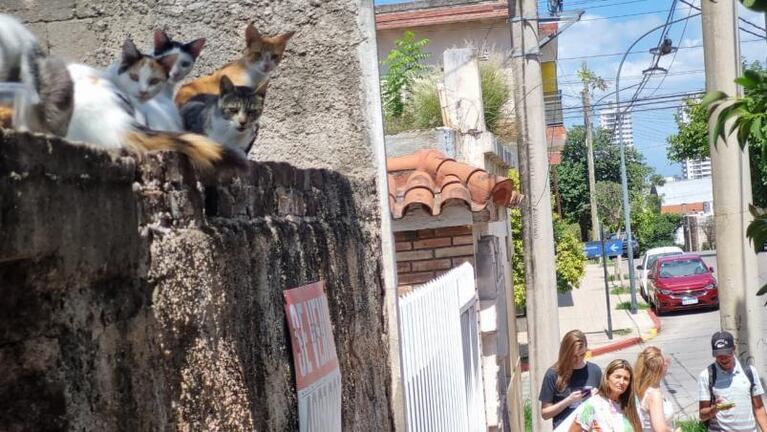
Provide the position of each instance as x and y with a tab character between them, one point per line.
664	48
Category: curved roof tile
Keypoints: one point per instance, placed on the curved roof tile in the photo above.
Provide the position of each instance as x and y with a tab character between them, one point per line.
430	179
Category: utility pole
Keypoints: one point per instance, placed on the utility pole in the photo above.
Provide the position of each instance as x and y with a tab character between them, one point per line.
590	161
738	277
540	273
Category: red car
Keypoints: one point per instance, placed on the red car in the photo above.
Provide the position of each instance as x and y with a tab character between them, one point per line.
679	282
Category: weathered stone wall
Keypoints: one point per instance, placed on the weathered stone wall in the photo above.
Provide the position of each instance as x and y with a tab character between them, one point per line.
134	299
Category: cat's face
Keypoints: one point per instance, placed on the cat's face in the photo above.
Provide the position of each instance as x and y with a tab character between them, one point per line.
241	107
186	54
264	53
141	76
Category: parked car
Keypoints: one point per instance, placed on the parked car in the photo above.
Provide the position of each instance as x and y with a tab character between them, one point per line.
634	244
648	260
678	282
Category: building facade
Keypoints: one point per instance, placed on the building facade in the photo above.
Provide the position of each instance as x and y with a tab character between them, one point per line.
624	132
696	168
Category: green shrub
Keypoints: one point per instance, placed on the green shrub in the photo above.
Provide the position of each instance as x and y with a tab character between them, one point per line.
411	99
528	416
691	426
404	62
570	260
627	305
617	290
495	94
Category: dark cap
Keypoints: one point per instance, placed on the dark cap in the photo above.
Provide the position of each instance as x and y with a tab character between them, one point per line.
722	343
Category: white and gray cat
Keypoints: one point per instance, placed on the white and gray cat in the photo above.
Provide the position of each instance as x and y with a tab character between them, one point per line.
230	118
160	111
50	104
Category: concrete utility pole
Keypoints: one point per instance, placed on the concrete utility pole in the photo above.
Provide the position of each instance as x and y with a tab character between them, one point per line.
740	308
590	161
540	274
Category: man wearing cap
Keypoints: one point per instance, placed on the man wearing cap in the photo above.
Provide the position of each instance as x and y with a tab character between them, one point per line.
729	396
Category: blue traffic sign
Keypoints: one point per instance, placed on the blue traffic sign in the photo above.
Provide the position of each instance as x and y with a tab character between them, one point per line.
593	249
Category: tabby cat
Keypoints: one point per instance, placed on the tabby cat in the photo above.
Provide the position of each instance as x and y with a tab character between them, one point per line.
230	118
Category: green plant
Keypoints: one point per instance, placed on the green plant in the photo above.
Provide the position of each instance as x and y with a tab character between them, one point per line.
618	290
756	5
570	260
424	108
517	259
404	62
622	331
748	120
691	425
626	305
495	94
528	416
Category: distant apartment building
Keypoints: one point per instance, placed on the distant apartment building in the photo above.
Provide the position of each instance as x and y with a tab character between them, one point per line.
624	132
696	168
693	168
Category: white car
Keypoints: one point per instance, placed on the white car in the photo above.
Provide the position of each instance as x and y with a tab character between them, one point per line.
647	261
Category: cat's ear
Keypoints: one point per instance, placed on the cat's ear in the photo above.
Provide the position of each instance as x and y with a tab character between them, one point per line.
226	86
161	41
261	89
194	48
130	55
252	35
167	62
282	39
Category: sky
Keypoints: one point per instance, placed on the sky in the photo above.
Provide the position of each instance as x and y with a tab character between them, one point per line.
607	30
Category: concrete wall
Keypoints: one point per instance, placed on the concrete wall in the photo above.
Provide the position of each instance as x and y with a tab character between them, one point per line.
196	340
134	300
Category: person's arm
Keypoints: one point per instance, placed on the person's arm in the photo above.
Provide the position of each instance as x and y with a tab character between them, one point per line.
655	407
759	414
706	410
550	410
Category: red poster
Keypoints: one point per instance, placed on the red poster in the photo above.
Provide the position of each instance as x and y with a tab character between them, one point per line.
318	377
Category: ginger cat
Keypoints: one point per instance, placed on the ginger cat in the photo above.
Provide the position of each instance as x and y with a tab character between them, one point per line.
262	55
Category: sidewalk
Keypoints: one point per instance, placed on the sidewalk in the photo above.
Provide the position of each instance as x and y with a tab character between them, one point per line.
585	308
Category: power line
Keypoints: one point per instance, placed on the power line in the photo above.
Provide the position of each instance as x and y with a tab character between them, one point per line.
645	51
643	101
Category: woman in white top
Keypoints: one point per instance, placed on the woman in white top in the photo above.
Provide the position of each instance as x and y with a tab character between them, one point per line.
613	408
654	410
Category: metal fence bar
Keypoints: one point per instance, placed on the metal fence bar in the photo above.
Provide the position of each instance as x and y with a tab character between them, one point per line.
440	353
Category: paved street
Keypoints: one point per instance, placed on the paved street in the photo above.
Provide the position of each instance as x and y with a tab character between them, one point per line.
685	338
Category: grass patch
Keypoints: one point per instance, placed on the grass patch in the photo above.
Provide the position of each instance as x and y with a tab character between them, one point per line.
622	332
691	426
528	416
627	306
619	290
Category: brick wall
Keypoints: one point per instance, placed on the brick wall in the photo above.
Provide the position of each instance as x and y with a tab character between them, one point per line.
425	254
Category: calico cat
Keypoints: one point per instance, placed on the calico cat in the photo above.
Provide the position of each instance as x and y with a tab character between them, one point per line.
160	111
230	118
140	76
49	107
262	55
105	116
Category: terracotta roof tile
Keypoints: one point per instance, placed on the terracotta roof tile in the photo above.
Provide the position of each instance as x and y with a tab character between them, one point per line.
430	179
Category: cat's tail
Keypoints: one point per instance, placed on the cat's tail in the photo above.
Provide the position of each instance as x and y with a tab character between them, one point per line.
202	151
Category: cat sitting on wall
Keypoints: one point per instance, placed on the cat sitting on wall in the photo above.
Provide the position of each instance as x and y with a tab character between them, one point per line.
262	55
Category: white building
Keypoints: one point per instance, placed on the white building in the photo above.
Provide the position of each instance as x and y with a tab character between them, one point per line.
696	168
623	132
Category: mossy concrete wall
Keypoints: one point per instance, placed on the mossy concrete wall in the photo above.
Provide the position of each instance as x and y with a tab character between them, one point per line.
135	299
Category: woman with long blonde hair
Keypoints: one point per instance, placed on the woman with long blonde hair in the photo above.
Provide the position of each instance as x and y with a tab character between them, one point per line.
613	408
570	380
654	410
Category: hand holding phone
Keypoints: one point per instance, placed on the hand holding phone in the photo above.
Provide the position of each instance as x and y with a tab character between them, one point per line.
723	406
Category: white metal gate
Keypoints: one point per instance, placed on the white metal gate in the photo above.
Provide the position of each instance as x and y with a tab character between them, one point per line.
440	354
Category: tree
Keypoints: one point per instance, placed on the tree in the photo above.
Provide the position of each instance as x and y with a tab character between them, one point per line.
610	204
573	173
749	115
404	63
570	261
691	142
